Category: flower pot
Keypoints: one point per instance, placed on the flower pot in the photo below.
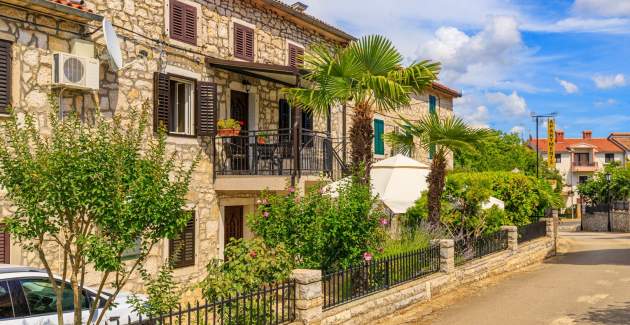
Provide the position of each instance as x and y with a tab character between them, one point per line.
228	132
261	140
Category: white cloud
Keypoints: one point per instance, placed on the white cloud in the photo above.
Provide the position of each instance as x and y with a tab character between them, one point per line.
608	102
472	111
511	105
582	24
518	129
569	87
607	8
609	81
483	59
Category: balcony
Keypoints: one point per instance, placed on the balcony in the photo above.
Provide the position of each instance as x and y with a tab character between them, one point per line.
255	160
584	166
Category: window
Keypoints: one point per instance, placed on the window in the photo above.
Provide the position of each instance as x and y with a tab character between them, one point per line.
379	143
6	308
296	54
432	104
5	75
243	42
134	251
609	157
184	106
41	297
582	179
582	159
181	249
183	22
558	158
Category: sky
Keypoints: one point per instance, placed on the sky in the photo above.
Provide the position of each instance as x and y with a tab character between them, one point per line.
511	59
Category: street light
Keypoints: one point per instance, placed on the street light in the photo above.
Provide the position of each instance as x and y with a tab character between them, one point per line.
608	178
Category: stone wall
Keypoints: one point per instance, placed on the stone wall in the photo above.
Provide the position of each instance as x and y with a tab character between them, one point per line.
380	305
598	221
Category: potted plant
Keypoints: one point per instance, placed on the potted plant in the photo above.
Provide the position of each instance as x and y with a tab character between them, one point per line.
229	128
262	137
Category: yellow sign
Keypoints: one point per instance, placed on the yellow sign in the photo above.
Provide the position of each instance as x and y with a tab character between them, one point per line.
551	143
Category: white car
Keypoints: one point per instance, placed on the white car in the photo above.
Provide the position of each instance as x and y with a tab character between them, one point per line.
27	298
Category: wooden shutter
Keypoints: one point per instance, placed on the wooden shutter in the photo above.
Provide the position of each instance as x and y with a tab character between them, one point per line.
296	56
5	75
379	144
161	100
183	22
181	249
432	104
5	246
243	42
206	108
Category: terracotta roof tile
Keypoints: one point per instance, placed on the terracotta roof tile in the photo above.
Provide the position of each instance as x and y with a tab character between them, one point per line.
621	138
600	144
76	4
446	89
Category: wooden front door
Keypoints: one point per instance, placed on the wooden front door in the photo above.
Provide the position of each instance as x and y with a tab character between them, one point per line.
239	110
233	223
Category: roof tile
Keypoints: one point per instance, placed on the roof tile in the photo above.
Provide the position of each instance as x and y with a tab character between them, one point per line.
76	4
600	144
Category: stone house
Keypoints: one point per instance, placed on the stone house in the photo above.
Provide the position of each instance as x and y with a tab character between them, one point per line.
196	62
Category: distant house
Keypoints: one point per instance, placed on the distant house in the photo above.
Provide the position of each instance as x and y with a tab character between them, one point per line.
622	139
577	159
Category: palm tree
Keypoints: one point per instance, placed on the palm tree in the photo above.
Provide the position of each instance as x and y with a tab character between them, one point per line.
367	74
439	136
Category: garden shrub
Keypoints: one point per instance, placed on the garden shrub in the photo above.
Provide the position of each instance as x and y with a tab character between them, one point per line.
598	190
319	230
163	293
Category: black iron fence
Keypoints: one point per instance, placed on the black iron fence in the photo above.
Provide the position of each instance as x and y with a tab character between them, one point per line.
467	250
276	152
274	304
532	231
363	279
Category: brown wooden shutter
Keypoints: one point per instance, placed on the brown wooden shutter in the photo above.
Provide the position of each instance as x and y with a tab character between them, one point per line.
206	108
296	56
243	42
161	99
181	249
183	22
5	75
5	246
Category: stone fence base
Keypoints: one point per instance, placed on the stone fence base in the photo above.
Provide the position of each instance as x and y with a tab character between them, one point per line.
598	221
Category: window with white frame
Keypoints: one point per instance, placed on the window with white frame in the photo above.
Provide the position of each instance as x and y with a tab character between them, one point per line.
182	110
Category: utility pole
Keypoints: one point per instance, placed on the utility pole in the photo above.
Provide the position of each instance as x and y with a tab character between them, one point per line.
537	118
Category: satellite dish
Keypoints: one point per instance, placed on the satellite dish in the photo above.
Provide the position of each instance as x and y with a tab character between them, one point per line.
113	45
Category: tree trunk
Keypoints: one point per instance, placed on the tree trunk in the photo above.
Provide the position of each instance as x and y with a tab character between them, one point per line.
436	180
361	135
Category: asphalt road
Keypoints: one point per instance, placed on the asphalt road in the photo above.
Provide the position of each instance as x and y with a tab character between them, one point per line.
589	283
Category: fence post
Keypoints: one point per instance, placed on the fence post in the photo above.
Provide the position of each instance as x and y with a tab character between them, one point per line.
309	298
512	237
447	255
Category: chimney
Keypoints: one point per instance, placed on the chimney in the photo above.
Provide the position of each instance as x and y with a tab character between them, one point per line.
559	136
587	134
298	6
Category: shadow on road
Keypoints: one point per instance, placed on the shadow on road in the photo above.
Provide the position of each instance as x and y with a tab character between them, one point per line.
594	257
614	314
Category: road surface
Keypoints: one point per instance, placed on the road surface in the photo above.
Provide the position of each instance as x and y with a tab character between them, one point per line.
589	283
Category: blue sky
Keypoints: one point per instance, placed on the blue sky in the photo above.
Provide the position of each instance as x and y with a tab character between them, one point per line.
511	58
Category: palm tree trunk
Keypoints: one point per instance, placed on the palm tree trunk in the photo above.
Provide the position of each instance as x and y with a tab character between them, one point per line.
361	134
436	180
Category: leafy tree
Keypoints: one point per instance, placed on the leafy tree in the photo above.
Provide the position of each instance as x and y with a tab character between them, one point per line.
91	192
162	291
599	190
367	74
319	230
441	136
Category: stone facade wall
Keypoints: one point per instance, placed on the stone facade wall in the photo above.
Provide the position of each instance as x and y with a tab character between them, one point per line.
380	305
598	221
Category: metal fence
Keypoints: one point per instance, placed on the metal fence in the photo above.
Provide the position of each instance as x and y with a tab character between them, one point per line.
605	207
343	286
532	231
467	250
274	304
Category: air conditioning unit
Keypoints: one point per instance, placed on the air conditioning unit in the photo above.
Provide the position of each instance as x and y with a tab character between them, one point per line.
74	71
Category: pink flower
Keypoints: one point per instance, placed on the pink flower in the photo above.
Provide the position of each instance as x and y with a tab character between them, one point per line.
265	202
291	189
258	201
322	190
266	214
367	256
384	222
252	254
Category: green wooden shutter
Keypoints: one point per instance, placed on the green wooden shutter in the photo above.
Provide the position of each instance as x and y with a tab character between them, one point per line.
379	144
432	104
